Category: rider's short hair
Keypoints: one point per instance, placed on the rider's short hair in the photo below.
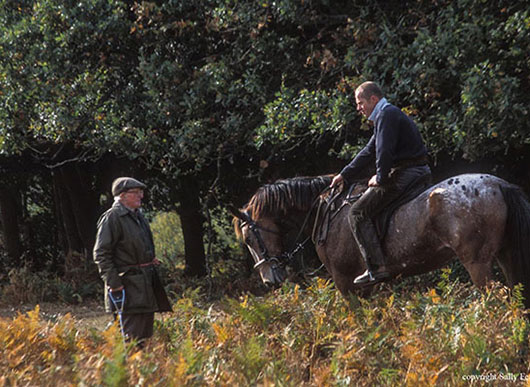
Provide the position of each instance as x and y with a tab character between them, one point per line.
367	89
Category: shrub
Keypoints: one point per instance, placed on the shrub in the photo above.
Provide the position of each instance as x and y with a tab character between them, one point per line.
24	286
167	235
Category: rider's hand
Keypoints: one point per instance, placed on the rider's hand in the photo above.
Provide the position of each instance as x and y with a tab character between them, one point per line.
373	181
336	181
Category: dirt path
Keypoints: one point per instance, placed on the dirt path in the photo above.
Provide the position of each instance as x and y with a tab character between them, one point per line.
86	316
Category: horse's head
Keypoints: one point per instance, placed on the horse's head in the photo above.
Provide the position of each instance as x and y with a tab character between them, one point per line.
263	239
257	224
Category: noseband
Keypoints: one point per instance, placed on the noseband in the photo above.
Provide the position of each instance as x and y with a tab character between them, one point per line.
265	257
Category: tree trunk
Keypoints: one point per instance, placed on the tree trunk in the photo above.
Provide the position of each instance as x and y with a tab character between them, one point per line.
83	203
192	230
70	236
77	212
9	213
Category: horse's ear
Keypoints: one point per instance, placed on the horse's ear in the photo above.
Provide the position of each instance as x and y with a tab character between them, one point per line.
237	213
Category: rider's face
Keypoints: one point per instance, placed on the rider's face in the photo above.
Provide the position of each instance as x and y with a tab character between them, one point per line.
365	105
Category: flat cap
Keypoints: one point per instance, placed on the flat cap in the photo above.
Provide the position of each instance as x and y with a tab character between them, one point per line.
122	184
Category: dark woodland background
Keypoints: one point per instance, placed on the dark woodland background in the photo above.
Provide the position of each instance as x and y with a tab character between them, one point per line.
206	100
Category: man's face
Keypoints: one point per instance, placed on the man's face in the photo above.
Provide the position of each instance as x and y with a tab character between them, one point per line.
132	198
365	106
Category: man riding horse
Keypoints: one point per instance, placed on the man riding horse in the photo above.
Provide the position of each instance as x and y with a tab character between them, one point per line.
400	160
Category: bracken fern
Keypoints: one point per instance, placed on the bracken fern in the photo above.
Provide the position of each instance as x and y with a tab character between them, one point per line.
289	337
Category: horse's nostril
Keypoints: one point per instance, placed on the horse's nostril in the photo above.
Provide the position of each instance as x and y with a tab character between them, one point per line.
277	277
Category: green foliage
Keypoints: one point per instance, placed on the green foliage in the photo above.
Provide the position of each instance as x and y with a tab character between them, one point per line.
190	357
255	312
194	94
249	357
115	372
220	242
73	293
462	74
293	115
167	235
54	73
220	236
459	68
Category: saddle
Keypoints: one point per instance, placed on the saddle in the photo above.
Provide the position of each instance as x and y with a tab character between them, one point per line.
334	203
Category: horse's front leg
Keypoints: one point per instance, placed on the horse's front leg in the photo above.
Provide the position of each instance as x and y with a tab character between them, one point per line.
344	284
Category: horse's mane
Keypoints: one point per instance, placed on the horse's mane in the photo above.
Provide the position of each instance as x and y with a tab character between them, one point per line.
296	193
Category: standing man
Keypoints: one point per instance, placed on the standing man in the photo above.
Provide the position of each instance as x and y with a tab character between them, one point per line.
400	160
125	254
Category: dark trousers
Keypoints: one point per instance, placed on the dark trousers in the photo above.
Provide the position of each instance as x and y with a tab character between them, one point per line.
138	326
371	203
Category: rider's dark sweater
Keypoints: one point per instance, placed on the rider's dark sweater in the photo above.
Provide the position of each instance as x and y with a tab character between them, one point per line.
396	138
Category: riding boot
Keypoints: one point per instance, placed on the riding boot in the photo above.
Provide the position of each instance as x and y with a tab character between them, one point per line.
366	237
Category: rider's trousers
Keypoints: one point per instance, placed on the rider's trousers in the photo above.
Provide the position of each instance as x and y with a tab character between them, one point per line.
371	203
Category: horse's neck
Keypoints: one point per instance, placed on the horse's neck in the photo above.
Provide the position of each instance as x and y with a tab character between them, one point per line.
301	220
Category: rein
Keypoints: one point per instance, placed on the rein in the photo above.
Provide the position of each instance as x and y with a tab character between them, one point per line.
288	257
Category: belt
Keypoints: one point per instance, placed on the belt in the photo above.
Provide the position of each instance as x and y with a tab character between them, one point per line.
415	162
147	264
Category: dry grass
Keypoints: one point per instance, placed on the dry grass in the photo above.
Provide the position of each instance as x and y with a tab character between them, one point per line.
442	335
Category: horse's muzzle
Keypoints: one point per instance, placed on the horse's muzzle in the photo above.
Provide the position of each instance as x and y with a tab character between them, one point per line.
278	275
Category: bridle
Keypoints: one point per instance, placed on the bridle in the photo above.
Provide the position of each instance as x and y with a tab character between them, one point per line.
286	257
264	254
